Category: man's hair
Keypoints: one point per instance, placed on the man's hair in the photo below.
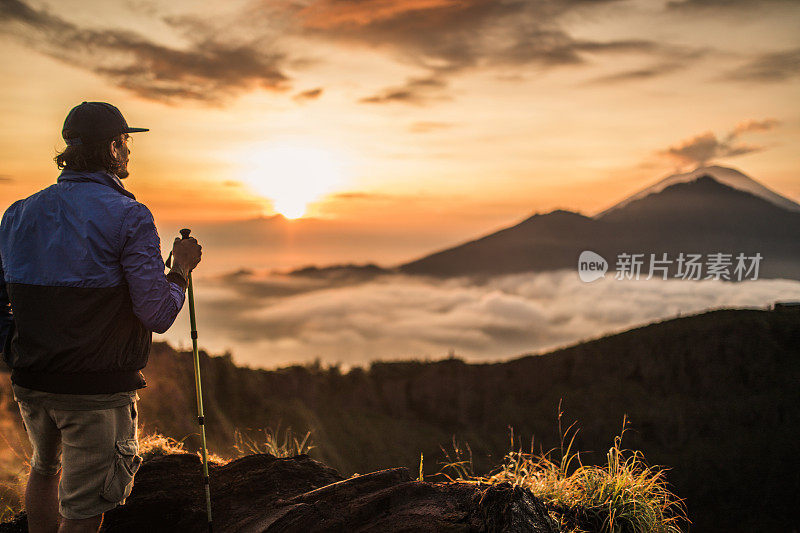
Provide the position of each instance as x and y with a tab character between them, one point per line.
90	157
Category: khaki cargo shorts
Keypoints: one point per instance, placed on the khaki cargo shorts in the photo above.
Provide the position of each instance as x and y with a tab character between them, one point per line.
99	450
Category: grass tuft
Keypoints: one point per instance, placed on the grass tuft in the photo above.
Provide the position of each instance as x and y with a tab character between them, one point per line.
15	468
285	445
624	495
156	445
12	490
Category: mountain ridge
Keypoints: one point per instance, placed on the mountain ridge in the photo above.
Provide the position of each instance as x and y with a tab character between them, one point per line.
729	176
702	216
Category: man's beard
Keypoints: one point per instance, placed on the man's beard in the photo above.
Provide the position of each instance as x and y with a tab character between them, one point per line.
122	163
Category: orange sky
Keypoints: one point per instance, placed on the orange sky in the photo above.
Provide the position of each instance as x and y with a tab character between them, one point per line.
427	121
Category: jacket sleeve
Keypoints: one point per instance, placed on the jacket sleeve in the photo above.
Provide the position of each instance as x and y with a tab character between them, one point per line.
156	298
6	314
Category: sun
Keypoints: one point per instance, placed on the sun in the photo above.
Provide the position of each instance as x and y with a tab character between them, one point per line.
292	174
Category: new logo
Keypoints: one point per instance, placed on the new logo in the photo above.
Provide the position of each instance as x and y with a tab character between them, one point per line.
591	266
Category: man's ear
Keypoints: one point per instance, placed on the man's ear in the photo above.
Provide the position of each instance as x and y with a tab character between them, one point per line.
113	148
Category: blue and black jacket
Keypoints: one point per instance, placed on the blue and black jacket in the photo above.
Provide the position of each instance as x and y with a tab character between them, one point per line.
82	287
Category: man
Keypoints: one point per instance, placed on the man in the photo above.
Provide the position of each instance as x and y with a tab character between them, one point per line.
82	288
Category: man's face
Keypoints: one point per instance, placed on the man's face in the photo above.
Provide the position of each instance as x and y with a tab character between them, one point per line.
120	150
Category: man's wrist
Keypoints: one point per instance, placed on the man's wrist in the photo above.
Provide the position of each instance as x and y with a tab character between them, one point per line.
180	271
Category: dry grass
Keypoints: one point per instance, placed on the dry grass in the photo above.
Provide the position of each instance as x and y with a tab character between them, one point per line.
624	495
14	470
155	444
12	492
286	445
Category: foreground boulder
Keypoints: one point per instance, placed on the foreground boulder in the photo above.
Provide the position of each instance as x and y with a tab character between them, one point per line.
261	493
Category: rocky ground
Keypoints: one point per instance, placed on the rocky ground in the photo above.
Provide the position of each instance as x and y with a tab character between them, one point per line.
262	493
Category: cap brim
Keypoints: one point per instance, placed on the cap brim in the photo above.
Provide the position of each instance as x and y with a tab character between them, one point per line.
135	130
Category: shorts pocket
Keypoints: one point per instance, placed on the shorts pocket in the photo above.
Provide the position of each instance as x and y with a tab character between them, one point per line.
119	480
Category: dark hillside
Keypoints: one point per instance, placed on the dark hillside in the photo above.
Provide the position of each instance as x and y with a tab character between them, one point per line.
715	396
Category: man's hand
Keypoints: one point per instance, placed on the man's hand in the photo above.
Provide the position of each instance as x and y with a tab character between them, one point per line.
185	255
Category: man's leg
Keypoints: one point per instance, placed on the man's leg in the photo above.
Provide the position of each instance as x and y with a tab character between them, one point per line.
99	462
41	502
85	525
41	494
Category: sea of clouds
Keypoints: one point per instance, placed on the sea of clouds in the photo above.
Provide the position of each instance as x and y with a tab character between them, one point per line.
268	320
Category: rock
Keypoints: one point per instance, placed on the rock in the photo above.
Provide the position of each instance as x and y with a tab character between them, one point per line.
261	493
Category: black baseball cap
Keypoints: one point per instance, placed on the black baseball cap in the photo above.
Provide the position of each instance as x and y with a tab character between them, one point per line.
92	122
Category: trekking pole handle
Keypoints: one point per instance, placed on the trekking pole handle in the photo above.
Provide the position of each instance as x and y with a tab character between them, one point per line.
184	235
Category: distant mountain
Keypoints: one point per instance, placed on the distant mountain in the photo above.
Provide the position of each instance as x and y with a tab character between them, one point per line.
727	176
698	212
341	272
275	242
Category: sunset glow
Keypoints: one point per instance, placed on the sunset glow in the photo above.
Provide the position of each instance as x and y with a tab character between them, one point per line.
292	175
397	127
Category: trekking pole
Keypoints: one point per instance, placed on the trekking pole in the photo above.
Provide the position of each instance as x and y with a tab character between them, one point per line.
198	386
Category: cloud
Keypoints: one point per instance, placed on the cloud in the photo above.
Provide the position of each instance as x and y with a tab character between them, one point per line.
637	74
754	125
270	321
240	52
428	126
446	37
207	71
766	68
417	91
700	149
5	178
149	7
679	58
311	94
694	5
358	195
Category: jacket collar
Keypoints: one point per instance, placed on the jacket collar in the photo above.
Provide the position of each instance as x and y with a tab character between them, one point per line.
100	176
